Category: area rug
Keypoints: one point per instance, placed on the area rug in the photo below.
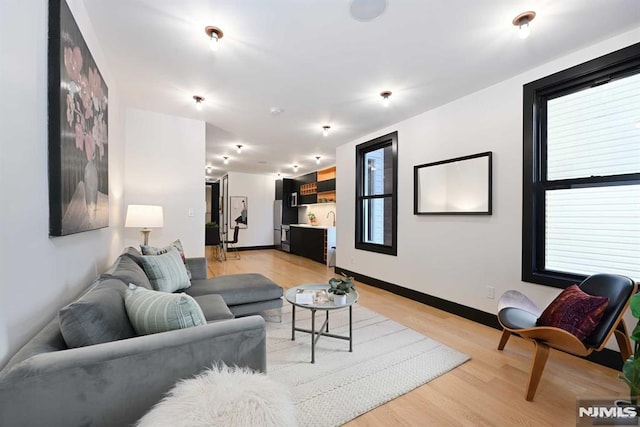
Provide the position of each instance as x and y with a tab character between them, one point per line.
388	360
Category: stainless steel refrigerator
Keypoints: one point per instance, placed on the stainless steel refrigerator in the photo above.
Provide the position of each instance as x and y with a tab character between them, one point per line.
280	227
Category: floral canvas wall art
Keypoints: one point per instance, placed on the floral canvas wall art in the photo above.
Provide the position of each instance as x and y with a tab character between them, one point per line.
78	132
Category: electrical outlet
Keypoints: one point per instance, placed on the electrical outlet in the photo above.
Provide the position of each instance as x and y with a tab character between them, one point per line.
491	292
190	212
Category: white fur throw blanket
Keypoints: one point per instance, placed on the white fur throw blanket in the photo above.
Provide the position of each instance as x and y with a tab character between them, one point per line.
224	396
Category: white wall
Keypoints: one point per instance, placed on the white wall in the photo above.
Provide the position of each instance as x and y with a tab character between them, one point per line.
41	274
321	210
260	193
164	165
457	257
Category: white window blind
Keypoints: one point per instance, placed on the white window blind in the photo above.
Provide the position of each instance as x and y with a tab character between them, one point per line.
593	230
595	132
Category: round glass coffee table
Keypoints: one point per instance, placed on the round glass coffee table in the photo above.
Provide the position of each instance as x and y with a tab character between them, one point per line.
316	298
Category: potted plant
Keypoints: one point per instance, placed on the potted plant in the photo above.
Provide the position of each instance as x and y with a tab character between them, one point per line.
211	233
631	368
312	218
340	287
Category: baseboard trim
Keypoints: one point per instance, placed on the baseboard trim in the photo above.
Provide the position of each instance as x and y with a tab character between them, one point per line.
256	248
606	357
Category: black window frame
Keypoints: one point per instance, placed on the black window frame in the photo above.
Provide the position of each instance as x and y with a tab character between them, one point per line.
618	64
390	139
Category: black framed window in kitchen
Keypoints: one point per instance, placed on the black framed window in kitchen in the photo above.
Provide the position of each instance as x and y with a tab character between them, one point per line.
376	195
581	171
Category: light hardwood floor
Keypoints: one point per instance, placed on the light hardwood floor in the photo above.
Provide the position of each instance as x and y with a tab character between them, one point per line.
488	390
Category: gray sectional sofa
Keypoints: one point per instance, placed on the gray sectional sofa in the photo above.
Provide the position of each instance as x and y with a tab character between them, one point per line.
109	376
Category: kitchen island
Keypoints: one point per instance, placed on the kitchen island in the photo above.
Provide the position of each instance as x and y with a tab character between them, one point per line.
316	242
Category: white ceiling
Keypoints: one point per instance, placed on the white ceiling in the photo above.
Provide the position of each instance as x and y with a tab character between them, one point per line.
321	66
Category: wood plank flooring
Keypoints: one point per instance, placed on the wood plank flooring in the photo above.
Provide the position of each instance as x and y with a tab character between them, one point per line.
488	390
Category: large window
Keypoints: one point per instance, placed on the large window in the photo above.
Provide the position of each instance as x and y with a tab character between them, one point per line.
376	189
581	182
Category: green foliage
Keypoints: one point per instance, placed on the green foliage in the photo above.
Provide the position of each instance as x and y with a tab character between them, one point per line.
631	368
211	224
341	285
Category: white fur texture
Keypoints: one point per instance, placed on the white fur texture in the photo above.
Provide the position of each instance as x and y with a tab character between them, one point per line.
224	396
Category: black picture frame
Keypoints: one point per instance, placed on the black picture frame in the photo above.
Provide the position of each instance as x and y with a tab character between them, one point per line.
457	186
78	119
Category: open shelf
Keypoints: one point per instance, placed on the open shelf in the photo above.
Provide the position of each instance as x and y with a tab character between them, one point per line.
326	174
327	197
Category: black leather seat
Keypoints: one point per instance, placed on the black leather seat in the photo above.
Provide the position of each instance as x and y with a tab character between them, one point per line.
518	315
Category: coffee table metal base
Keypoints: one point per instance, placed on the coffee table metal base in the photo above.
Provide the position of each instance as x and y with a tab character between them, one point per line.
323	331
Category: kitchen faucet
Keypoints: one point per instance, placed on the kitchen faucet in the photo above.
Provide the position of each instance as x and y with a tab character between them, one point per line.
334	217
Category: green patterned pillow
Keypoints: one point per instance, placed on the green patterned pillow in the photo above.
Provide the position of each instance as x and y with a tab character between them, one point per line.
152	250
166	272
151	312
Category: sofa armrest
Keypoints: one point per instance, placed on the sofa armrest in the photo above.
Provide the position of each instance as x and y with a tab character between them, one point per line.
117	382
198	268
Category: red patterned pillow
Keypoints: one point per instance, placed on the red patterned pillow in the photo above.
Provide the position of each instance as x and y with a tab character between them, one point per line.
574	311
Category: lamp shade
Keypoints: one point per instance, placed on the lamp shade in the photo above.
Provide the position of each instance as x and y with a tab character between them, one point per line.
145	216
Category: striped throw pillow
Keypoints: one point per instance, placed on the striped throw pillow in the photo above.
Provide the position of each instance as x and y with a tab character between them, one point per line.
152	250
166	272
151	312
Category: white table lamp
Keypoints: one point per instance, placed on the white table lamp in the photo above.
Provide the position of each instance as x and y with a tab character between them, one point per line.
145	216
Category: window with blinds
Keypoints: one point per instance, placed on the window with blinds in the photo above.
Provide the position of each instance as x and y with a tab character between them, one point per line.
581	174
594	133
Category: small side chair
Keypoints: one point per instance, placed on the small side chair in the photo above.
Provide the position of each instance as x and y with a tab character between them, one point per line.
231	244
518	315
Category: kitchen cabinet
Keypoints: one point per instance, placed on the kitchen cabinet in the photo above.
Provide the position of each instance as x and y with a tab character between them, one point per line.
307	193
326	185
313	242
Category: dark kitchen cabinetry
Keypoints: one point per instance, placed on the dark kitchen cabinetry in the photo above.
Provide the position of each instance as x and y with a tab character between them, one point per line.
309	242
284	188
328	185
307	193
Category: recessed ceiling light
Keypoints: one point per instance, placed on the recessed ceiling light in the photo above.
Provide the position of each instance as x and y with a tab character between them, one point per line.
215	34
325	130
276	111
367	10
226	159
522	22
295	168
385	97
239	148
199	99
317	160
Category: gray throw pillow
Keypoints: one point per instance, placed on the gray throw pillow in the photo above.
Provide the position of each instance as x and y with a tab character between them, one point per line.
127	270
97	317
166	272
152	250
151	312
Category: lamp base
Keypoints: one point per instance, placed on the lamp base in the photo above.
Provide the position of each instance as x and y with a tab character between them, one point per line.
145	232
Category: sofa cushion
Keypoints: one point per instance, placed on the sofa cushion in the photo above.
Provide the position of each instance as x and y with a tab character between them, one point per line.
151	312
166	271
237	288
127	270
97	317
134	254
152	250
213	307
